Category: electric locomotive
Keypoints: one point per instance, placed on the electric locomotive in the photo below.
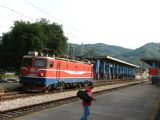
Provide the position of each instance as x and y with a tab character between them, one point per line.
41	73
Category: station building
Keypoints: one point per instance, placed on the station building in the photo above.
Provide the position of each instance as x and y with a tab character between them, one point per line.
107	67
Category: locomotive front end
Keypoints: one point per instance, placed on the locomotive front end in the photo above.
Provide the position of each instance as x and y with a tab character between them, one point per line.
32	74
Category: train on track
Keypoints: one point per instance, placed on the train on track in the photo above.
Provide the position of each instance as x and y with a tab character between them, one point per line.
154	75
154	69
42	73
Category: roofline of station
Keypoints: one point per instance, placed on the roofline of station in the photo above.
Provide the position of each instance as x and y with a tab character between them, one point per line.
117	60
149	61
147	58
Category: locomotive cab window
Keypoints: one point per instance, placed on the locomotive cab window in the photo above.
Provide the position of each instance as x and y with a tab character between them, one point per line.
40	63
50	64
27	62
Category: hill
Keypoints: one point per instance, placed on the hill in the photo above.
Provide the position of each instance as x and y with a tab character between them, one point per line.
132	56
98	49
150	50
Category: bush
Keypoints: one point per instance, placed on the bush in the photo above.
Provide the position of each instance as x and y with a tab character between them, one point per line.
1	72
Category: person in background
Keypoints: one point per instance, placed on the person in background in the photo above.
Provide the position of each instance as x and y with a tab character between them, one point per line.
86	105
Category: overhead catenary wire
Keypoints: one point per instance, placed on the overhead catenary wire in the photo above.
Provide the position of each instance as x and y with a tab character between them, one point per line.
20	13
73	36
61	21
12	10
25	16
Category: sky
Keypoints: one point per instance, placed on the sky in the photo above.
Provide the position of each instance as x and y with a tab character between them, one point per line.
125	23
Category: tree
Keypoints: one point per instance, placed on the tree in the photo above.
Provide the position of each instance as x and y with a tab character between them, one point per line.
27	36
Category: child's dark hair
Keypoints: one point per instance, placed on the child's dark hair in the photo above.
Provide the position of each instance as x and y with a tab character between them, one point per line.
90	83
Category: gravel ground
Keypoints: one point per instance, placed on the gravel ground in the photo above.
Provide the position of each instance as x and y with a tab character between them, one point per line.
33	100
10	86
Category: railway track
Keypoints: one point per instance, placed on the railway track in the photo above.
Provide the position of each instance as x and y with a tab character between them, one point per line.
7	114
21	94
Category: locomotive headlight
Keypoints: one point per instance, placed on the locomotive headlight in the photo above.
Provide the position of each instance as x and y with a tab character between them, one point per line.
41	74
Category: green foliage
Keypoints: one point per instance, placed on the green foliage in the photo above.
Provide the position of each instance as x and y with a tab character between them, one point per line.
1	72
26	36
8	76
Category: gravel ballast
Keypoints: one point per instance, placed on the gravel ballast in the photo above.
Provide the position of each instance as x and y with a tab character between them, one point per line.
39	99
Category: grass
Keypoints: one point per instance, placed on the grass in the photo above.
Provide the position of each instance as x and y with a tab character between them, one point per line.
7	76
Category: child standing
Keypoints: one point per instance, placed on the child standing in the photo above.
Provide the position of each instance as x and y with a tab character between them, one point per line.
86	105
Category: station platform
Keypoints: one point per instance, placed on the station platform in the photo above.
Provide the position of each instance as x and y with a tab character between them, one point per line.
131	103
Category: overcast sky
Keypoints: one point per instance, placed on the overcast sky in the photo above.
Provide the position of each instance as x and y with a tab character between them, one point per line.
126	23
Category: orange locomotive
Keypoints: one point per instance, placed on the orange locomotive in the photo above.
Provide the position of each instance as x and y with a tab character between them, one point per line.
40	73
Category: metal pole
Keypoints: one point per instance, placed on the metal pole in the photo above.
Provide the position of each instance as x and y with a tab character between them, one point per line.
82	49
142	71
158	61
70	50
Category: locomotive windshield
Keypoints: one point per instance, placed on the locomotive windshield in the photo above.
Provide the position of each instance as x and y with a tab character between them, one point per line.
40	63
27	62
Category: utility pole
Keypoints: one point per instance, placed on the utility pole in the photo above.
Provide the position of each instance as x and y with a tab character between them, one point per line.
92	50
158	59
142	69
71	51
82	49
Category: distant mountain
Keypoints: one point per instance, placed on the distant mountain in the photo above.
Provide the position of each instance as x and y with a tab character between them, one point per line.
132	56
99	49
149	50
